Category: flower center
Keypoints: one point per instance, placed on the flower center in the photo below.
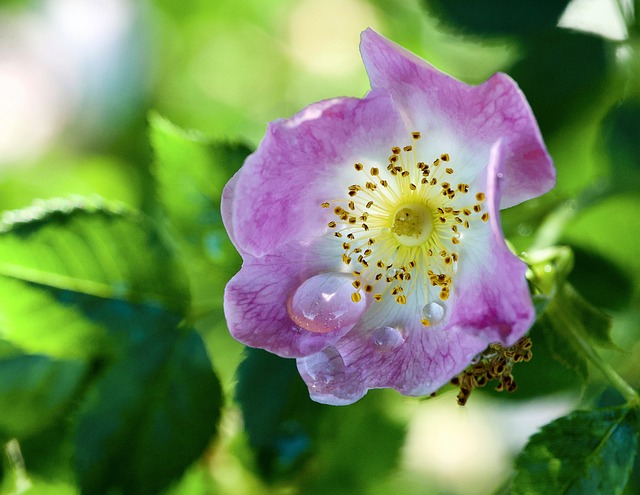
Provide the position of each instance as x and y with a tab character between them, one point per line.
412	225
401	227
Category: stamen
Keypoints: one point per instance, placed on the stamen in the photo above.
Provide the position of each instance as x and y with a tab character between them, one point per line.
395	218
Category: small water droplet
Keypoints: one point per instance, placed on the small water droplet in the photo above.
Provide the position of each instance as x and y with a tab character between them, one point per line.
391	272
387	338
476	359
323	367
548	268
434	312
500	175
323	303
524	229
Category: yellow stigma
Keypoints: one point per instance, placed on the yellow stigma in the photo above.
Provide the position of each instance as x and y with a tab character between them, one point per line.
412	224
402	224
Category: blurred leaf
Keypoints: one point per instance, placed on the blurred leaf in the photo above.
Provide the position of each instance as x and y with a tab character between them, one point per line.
610	230
590	269
149	416
61	261
34	390
91	248
7	349
633	486
561	73
191	172
568	320
279	417
621	136
585	452
60	174
592	322
356	447
562	347
40	319
49	453
498	17
41	487
110	269
196	481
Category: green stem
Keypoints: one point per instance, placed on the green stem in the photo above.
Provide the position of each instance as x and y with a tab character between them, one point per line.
581	343
554	225
625	7
22	482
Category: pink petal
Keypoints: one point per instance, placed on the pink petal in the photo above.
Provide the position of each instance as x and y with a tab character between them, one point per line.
492	297
256	303
275	198
226	207
491	303
478	115
420	365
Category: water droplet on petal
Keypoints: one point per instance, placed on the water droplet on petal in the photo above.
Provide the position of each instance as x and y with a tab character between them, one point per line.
391	272
387	338
323	303
323	367
434	312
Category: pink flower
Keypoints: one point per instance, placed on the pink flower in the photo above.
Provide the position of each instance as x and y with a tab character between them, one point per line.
370	230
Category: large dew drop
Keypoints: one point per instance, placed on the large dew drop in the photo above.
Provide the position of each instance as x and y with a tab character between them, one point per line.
387	338
323	367
434	312
324	303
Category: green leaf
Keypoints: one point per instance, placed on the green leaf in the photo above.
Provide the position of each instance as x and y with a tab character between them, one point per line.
498	17
569	314
92	248
589	320
590	269
93	277
562	347
561	73
149	416
71	270
49	454
279	417
568	318
34	391
355	448
621	137
289	432
609	230
191	172
586	452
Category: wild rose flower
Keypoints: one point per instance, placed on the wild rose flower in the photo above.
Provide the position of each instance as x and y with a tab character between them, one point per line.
370	234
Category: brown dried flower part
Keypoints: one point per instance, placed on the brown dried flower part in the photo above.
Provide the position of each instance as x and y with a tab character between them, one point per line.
495	363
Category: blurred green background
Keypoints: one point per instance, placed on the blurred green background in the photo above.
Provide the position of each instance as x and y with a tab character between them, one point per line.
80	82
